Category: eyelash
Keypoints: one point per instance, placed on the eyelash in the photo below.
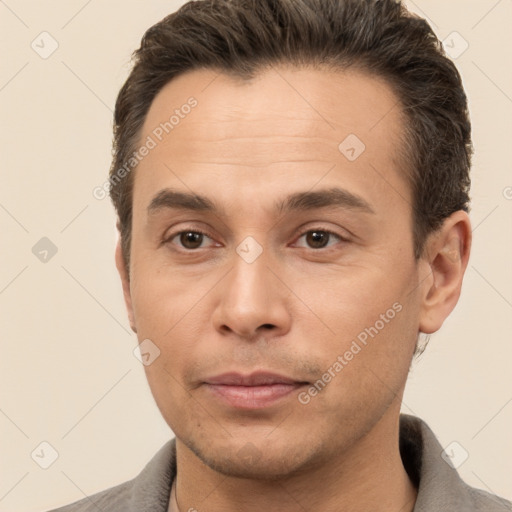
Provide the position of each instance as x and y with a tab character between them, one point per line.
204	233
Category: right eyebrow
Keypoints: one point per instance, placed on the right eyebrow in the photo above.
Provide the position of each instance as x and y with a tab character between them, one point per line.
168	198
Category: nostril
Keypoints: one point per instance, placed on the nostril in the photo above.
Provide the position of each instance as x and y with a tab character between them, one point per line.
268	326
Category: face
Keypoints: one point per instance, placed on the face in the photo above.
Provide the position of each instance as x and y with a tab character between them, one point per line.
272	265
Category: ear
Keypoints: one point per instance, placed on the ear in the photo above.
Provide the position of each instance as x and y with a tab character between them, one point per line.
125	281
446	255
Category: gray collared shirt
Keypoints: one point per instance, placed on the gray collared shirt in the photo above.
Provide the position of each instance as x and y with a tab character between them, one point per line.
440	489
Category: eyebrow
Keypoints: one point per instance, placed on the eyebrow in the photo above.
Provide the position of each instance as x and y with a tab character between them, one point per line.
299	201
168	198
332	197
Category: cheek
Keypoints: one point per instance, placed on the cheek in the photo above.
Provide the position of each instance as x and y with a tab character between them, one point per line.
171	313
163	297
373	326
364	373
377	357
348	300
174	312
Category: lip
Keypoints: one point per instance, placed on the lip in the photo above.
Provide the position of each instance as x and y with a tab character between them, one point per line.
257	390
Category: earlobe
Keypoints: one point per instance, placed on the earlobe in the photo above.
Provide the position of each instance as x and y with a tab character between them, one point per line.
125	281
447	254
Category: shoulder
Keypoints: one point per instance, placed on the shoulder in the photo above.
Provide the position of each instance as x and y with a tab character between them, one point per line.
114	498
483	501
439	484
149	491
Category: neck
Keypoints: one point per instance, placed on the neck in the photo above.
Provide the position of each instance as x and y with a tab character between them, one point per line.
368	476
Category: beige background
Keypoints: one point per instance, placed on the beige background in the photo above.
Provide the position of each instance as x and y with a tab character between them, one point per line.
68	374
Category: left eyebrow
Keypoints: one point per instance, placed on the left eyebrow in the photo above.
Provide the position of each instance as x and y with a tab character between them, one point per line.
332	197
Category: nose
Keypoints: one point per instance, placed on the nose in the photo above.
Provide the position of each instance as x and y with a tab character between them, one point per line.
252	301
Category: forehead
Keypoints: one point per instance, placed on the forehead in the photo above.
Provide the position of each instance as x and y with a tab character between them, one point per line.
283	122
321	102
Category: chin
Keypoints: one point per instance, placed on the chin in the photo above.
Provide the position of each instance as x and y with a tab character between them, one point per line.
257	460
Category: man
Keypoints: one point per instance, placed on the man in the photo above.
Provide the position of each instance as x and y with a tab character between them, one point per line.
291	181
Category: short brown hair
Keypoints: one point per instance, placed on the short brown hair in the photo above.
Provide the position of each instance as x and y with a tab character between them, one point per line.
241	37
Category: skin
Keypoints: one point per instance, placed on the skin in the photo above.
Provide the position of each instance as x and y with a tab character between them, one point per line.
247	146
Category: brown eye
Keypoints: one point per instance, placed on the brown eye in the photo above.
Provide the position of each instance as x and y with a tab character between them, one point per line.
191	239
188	240
317	239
